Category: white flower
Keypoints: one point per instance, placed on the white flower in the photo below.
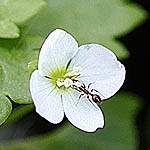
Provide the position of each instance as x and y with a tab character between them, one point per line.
61	62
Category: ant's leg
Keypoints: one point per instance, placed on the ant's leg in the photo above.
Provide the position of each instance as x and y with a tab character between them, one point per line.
94	90
91	102
90	85
97	92
81	95
83	85
74	80
89	98
75	76
79	98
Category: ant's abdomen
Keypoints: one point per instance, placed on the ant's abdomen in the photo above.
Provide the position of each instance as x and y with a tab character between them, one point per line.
96	98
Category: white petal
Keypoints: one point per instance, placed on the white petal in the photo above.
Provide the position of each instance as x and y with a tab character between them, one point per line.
100	67
82	113
47	101
58	48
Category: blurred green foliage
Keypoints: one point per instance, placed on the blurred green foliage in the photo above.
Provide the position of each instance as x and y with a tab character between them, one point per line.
13	12
119	132
92	21
17	114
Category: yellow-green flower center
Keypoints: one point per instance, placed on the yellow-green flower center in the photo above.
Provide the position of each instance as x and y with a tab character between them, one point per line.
60	78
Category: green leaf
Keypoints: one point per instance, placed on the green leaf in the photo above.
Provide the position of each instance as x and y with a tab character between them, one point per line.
119	133
5	108
14	57
14	12
95	21
1	75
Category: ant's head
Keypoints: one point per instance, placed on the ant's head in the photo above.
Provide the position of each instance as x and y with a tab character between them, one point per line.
96	98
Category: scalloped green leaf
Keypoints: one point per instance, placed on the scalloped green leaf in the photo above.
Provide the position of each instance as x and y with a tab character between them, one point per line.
13	12
5	108
94	21
14	57
119	133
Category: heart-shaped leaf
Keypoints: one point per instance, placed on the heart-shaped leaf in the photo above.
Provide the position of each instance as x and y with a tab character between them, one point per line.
14	57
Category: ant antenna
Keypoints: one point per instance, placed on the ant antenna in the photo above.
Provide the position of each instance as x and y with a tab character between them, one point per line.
90	85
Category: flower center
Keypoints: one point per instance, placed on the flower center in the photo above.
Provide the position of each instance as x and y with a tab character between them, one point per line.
63	79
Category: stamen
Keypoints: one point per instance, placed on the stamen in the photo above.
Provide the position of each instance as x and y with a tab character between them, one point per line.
68	82
59	84
75	72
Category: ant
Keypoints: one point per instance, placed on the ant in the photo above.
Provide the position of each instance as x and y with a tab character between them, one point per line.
82	88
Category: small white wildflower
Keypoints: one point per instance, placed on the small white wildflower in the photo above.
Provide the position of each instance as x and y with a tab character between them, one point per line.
60	63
